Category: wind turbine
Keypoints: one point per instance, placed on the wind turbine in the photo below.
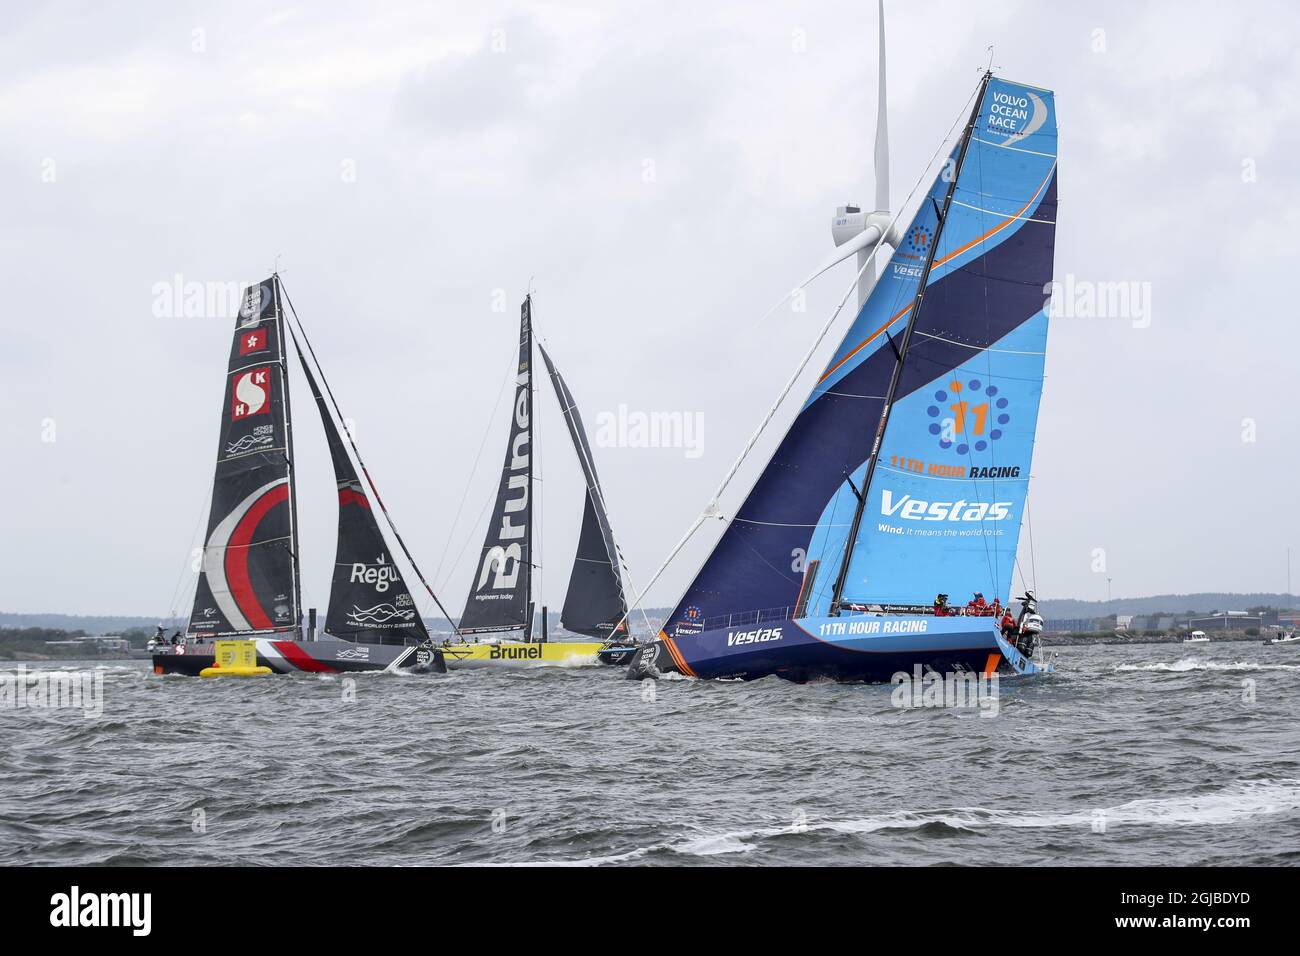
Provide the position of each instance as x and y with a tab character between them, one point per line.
853	230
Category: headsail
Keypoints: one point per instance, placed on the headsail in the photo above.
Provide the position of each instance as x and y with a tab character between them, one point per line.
499	595
369	601
248	579
781	553
944	509
595	603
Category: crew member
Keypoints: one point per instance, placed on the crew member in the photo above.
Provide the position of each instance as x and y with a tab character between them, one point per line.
941	608
977	604
1009	626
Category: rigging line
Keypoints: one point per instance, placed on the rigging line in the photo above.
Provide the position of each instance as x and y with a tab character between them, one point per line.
478	459
711	509
176	602
1033	561
352	443
869	263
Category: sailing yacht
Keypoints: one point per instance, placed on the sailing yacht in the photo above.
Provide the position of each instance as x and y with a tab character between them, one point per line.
497	625
906	470
248	597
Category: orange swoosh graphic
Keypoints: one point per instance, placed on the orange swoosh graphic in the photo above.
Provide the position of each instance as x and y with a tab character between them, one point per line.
952	255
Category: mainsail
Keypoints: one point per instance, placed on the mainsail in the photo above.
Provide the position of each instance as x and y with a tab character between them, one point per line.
369	601
594	604
500	593
783	550
944	509
248	578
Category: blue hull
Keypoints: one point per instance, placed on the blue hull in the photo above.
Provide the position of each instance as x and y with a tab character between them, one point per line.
845	648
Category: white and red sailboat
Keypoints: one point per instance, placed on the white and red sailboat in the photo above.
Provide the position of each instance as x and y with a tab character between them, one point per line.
249	583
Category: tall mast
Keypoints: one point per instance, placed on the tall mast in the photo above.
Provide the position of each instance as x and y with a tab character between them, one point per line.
865	492
532	465
288	450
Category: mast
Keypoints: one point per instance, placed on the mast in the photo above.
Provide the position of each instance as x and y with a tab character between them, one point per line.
288	452
532	459
498	600
901	351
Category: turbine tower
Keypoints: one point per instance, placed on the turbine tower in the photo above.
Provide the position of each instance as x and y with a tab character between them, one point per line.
854	230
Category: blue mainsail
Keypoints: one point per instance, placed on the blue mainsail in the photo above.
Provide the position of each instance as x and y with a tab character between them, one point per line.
984	322
945	505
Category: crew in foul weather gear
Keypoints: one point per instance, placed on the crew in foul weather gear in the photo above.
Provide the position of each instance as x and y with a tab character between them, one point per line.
941	608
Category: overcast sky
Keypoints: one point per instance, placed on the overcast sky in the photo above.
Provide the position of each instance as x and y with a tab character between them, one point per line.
664	173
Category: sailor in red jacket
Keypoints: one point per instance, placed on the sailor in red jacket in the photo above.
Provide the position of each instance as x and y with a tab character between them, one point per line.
977	605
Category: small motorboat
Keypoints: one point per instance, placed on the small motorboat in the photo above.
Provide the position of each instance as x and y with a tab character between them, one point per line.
1292	638
1196	637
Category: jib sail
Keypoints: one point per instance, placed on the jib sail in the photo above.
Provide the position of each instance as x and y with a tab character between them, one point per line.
594	604
500	591
248	576
369	601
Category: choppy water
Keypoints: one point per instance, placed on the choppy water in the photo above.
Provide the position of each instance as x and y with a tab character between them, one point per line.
1136	755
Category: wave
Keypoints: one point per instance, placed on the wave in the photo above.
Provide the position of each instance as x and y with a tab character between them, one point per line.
1202	664
1239	803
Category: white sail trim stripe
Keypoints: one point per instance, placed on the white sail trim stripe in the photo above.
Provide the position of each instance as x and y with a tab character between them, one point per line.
214	557
782	524
976	348
1003	215
1014	149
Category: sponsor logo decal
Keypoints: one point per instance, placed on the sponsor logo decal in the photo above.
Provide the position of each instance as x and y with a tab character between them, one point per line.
256	299
760	635
259	437
916	509
358	652
935	469
381	615
516	652
499	570
381	574
968	416
693	623
251	395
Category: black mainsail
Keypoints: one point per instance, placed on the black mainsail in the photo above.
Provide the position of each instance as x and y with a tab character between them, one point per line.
369	601
594	604
248	579
500	594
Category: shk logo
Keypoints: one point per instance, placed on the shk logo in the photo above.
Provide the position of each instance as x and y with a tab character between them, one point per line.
251	395
75	909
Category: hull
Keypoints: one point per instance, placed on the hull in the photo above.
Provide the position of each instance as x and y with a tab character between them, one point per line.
521	654
290	657
868	648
